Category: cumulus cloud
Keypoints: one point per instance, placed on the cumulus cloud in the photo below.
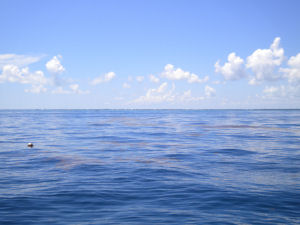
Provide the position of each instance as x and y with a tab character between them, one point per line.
54	66
233	69
38	81
264	61
158	95
103	78
164	93
13	74
17	60
62	85
153	78
293	72
171	73
209	91
139	78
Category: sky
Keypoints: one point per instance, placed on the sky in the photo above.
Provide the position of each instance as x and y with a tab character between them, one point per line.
149	54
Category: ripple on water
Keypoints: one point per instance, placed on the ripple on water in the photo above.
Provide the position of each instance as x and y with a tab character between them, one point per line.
150	166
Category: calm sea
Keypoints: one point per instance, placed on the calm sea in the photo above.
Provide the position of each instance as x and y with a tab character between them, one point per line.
150	167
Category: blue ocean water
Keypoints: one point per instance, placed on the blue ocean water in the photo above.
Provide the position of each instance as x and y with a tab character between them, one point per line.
150	167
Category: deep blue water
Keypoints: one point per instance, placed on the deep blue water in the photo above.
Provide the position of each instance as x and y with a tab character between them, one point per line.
150	167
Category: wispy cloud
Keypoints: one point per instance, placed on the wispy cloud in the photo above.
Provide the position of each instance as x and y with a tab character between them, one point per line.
75	89
36	89
282	92
153	78
103	78
18	60
209	91
157	95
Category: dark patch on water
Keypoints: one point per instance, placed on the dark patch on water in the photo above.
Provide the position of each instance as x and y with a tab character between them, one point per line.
233	152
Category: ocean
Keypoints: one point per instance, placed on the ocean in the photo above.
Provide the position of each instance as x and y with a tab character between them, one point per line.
150	167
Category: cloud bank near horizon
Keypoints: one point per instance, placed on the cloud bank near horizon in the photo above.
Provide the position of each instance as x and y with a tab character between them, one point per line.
263	67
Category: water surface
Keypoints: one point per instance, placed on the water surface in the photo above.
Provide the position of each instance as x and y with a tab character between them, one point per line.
150	167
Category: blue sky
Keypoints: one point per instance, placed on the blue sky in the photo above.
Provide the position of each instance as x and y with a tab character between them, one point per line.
149	54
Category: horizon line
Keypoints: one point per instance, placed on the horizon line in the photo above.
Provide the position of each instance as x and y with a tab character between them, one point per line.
150	109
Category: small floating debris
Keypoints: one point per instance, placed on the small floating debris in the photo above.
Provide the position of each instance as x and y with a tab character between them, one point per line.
30	145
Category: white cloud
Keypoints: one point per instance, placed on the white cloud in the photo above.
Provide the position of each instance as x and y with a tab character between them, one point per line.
195	79
153	78
36	89
264	61
17	60
178	74
283	91
14	74
126	85
139	78
162	87
209	91
72	89
164	94
272	91
36	79
293	72
54	66
103	78
294	61
158	95
63	85
75	89
233	69
187	97
11	73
